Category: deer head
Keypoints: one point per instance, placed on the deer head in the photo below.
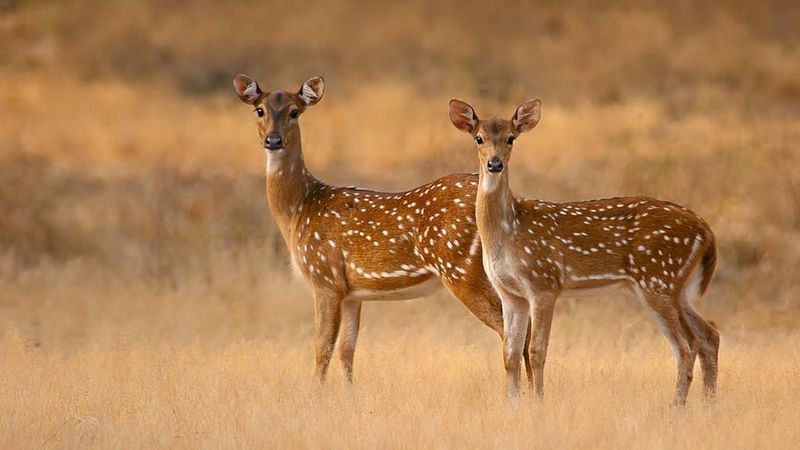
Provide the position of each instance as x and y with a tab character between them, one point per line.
278	112
494	137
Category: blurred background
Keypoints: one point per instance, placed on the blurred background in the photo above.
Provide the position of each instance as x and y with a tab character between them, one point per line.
132	205
127	158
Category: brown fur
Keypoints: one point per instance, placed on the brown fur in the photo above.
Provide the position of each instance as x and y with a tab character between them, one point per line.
534	251
352	244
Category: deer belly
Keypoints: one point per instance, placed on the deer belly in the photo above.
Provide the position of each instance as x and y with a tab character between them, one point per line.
423	288
595	286
595	291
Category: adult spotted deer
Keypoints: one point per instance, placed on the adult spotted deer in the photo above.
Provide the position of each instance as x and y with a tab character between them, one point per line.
353	245
534	251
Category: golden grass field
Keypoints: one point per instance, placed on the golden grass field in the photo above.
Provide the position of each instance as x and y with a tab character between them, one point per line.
145	294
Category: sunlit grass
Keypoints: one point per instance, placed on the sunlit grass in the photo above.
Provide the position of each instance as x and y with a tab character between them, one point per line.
145	299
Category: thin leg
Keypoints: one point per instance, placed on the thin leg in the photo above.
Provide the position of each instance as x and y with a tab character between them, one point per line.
515	320
351	319
708	338
542	309
668	320
526	356
328	316
481	299
690	337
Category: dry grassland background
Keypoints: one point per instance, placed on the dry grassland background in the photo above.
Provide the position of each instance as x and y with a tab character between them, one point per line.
145	296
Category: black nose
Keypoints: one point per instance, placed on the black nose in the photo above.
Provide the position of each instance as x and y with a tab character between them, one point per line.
495	165
273	142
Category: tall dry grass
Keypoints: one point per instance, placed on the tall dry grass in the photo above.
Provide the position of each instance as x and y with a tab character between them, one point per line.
145	299
111	363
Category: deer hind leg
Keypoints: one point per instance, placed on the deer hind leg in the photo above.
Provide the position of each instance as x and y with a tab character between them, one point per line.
526	356
668	318
708	347
515	323
542	308
691	338
328	316
351	320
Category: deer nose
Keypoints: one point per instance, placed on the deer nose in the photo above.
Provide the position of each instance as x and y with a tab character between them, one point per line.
273	142
494	165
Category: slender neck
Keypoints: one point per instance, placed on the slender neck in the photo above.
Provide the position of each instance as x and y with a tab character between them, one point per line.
288	184
495	211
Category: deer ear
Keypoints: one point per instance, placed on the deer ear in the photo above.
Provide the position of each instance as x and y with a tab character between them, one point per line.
246	88
527	115
312	90
463	116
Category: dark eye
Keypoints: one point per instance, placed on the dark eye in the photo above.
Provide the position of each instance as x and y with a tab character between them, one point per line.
294	113
479	140
510	140
260	112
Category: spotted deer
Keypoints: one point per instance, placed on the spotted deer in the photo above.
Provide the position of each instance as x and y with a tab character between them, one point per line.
534	251
353	245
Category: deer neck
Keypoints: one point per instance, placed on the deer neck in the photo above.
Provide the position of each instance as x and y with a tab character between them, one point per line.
495	210
288	185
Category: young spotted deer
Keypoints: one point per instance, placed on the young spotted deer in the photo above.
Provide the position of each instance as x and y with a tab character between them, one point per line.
534	251
353	245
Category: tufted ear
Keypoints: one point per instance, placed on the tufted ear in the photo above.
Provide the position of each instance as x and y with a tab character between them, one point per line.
312	90
463	115
527	115
246	88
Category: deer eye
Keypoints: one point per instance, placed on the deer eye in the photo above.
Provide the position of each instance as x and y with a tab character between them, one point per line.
510	140
260	112
479	140
294	113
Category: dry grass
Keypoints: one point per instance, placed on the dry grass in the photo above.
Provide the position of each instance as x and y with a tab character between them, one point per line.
258	393
144	294
226	366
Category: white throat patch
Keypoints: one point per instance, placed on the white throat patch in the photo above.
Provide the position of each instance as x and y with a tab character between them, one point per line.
490	181
274	159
